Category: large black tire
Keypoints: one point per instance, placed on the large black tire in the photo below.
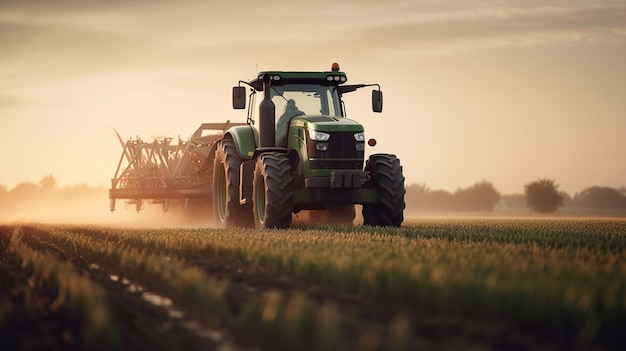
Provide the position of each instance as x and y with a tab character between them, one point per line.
386	176
272	199
228	212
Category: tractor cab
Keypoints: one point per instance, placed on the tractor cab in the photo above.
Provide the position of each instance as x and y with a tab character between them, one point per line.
301	100
310	95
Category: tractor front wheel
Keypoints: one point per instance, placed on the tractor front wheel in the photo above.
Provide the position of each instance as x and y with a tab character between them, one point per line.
272	191
386	176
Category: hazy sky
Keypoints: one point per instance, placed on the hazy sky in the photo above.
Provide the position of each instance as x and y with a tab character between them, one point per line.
503	91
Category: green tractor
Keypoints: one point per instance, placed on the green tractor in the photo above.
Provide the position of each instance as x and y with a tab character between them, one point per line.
308	157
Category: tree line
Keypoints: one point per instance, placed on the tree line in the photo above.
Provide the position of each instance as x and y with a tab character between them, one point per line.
481	196
541	196
45	189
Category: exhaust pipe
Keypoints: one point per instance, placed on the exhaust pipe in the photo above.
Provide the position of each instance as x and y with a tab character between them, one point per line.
267	116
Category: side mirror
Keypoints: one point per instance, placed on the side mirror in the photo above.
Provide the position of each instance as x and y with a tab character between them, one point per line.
377	101
239	98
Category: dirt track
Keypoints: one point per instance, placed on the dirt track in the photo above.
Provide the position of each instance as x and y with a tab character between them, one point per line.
143	325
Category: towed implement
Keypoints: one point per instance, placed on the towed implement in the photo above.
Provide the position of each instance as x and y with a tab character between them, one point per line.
309	156
161	171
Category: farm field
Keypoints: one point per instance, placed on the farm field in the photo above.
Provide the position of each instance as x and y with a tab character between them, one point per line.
434	284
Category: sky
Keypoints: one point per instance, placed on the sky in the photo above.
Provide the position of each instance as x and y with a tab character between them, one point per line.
507	91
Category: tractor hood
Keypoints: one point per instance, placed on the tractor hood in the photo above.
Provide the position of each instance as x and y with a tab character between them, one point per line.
327	124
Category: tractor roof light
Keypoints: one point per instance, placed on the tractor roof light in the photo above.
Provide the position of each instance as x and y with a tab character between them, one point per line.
334	67
336	78
272	77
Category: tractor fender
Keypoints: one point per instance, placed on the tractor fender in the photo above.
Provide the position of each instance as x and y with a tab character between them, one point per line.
245	138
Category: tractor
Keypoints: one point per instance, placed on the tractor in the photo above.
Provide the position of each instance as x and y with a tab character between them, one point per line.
309	158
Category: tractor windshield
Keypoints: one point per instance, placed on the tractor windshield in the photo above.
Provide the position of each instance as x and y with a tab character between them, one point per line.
306	99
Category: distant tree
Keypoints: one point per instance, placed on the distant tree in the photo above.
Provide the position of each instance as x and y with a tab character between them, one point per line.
78	190
416	196
440	200
47	183
600	198
481	196
542	196
567	200
24	191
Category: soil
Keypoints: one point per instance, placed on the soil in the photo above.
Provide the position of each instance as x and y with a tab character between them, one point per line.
144	326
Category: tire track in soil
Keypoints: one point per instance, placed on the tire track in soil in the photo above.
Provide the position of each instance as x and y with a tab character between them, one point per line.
141	325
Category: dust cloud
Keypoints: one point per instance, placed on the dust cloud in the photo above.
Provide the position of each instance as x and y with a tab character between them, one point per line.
91	207
45	202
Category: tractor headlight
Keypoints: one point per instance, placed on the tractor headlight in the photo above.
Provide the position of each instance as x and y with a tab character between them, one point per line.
359	136
321	146
318	136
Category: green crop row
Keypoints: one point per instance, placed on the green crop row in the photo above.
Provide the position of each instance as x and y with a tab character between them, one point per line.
271	320
566	273
602	235
41	291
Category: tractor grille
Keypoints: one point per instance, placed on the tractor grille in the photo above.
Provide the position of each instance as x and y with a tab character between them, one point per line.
341	146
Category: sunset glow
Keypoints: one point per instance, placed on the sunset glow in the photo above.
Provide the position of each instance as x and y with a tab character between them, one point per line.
503	91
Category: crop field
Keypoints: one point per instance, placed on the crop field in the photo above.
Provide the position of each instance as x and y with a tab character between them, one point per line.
433	284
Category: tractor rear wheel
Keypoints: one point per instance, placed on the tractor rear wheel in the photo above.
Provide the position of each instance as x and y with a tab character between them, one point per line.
272	191
386	176
228	212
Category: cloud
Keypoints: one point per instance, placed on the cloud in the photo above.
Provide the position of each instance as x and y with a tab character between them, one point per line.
71	38
33	51
468	30
62	38
377	28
